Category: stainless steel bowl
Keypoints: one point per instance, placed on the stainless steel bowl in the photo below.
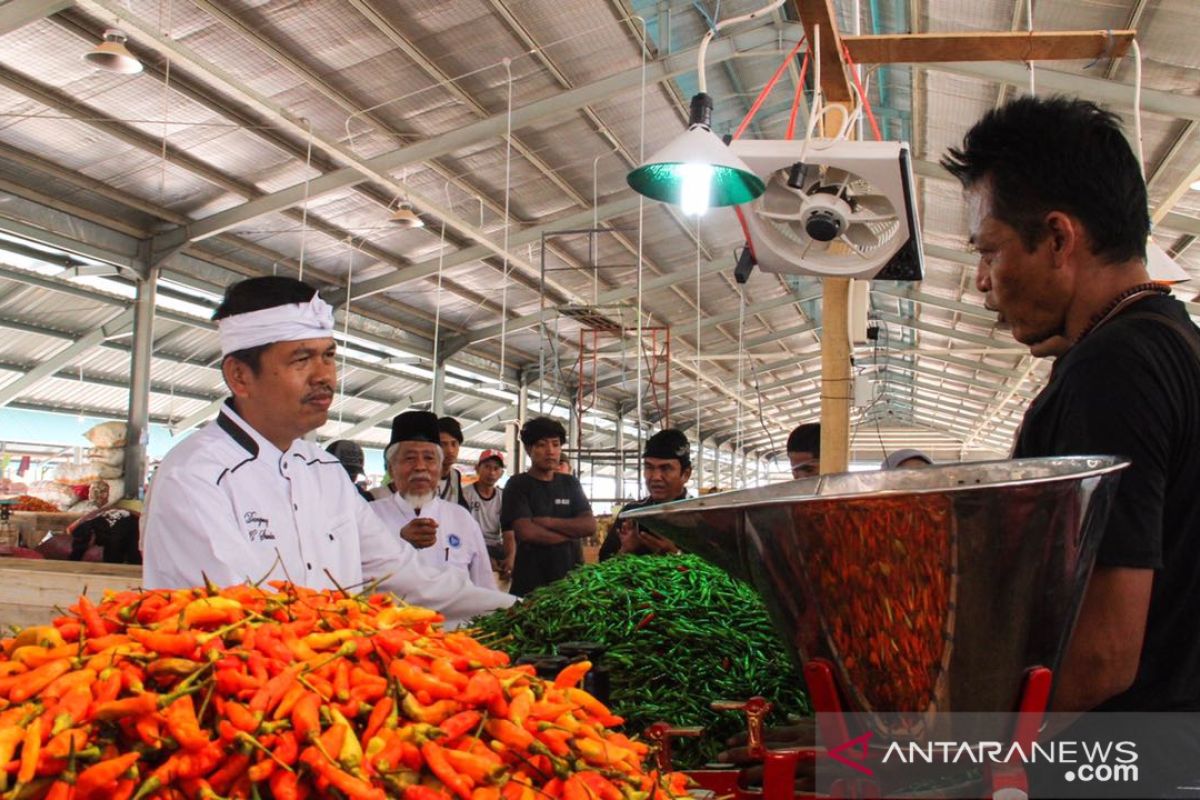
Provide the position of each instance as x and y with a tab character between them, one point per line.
929	590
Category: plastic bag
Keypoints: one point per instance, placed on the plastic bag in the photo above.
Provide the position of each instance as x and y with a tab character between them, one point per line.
108	434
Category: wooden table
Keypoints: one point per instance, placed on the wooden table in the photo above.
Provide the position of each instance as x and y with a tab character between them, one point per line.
32	588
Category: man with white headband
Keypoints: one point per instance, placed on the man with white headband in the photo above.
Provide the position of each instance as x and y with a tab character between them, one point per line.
247	498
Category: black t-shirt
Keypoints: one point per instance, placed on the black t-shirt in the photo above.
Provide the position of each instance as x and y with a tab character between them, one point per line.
114	529
612	542
524	497
1132	388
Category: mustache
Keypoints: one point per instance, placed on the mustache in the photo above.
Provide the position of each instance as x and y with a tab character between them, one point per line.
320	393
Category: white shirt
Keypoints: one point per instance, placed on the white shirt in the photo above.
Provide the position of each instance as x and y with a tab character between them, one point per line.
459	541
485	512
227	504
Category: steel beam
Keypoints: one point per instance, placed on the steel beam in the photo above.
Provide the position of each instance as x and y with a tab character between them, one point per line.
114	324
1117	94
489	128
138	431
16	14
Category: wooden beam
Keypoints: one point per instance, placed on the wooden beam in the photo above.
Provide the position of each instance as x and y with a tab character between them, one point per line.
926	48
835	83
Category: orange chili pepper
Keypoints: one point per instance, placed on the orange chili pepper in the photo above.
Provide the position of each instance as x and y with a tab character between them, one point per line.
30	683
92	623
306	721
146	703
30	749
435	758
101	777
183	725
572	674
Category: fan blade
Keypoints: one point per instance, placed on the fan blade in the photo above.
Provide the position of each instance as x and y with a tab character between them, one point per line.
835	176
781	202
874	206
861	237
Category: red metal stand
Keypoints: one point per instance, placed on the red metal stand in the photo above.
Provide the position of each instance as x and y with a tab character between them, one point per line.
779	764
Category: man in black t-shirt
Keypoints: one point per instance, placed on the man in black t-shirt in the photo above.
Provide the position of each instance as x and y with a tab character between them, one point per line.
546	510
1057	211
666	468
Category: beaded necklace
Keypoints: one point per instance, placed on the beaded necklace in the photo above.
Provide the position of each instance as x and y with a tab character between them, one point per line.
1125	298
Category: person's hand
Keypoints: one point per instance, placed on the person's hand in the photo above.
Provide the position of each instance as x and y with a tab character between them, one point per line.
656	544
506	566
802	734
628	534
420	533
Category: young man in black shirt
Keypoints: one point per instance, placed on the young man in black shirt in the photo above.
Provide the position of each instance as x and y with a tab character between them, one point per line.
666	468
546	510
1058	213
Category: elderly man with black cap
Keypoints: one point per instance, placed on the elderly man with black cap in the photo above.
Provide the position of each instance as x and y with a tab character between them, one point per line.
666	468
546	510
246	498
444	533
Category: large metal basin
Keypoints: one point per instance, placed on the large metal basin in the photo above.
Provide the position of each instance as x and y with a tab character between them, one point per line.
929	590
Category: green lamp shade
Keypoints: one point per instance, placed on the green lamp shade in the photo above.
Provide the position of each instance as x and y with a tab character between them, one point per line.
662	176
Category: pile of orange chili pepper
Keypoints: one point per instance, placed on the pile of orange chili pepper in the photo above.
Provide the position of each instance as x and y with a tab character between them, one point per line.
250	693
28	502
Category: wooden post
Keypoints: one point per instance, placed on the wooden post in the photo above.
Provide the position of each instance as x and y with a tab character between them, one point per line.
836	386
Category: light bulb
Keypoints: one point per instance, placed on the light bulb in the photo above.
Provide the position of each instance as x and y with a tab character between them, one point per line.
1194	186
695	188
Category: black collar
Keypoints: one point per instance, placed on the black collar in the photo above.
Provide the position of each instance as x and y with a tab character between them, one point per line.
236	432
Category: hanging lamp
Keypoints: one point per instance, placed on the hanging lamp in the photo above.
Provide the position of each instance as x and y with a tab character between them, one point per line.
697	170
111	55
405	217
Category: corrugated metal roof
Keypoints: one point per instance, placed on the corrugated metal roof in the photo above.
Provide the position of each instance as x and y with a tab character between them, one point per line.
372	77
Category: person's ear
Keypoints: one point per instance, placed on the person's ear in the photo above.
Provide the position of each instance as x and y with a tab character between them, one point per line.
1064	233
238	376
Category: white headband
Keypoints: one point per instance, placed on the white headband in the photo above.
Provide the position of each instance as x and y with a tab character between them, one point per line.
290	323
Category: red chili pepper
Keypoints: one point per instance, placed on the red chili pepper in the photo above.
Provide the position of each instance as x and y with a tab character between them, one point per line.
183	725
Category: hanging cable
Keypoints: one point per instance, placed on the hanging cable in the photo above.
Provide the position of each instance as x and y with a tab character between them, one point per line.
741	358
1137	104
702	51
304	210
507	219
791	127
346	329
766	90
699	436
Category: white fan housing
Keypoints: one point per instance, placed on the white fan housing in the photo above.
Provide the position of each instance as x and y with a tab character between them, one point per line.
846	211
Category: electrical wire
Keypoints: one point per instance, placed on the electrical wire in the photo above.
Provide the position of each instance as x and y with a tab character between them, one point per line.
766	90
507	220
702	51
304	208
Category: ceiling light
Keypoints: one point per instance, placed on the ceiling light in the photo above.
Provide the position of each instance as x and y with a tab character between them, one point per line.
1194	186
405	217
111	55
697	170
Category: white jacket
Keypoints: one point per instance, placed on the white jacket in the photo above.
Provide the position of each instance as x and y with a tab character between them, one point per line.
459	541
228	505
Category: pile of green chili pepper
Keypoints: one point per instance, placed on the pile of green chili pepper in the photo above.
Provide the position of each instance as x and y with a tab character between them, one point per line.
679	634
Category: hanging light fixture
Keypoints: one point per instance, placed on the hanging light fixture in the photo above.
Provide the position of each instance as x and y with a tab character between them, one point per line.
1163	268
111	55
405	217
697	170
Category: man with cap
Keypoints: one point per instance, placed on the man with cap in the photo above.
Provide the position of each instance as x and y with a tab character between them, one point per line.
546	510
351	457
804	450
246	498
484	499
907	458
666	468
450	436
444	533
